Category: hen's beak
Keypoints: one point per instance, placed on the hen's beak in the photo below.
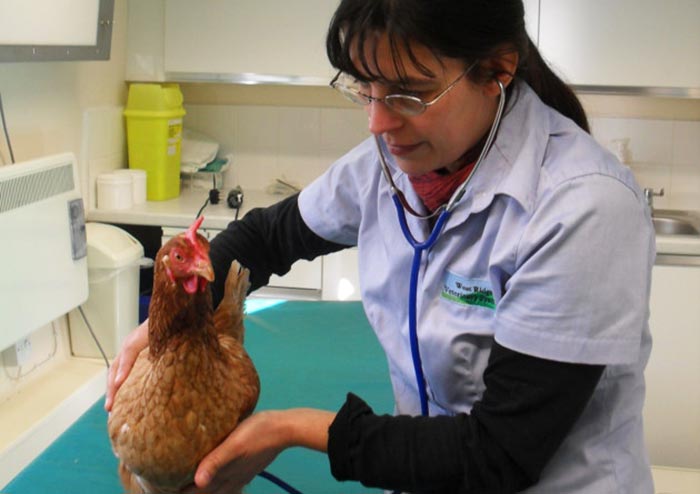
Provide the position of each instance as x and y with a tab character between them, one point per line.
202	268
199	274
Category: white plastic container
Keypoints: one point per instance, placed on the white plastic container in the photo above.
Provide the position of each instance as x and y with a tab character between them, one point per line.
138	184
112	308
114	191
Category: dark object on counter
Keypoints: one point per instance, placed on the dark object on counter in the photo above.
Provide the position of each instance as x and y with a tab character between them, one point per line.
214	196
235	197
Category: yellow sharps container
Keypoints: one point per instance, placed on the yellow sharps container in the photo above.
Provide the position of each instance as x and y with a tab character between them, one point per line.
154	135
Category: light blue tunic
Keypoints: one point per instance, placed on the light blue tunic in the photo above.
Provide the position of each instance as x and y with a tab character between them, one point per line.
549	252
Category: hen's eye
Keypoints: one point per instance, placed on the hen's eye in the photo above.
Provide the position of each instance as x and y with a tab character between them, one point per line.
178	257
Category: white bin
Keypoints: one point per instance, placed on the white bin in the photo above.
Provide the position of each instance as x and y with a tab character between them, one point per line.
112	308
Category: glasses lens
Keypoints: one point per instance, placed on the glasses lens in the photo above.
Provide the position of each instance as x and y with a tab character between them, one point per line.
351	94
406	105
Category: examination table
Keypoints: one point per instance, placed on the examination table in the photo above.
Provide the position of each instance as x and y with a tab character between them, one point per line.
308	354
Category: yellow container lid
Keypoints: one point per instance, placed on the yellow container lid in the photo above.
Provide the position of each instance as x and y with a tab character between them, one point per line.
154	100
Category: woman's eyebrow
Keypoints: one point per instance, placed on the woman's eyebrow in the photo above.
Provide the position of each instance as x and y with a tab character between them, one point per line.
411	82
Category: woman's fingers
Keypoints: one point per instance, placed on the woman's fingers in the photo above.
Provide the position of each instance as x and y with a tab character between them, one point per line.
242	455
124	361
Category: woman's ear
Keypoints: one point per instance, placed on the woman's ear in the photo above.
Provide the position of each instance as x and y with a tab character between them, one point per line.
502	67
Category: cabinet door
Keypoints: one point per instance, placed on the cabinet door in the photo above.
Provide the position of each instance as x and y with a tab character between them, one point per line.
652	43
305	275
249	39
672	409
341	279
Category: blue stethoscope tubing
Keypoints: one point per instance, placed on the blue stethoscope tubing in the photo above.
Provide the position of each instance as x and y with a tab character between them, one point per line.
419	247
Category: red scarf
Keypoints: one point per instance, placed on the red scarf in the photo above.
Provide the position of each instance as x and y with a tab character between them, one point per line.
435	188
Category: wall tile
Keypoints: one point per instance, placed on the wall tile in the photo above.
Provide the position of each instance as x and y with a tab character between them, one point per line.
257	129
103	147
300	170
341	130
299	131
607	130
651	141
686	144
103	131
252	170
685	188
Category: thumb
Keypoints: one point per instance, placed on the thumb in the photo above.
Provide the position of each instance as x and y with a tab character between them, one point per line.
207	468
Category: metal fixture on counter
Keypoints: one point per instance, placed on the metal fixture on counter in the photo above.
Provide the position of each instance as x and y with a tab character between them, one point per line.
649	195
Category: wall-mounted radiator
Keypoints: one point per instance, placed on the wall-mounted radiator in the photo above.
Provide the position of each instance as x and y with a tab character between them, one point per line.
43	263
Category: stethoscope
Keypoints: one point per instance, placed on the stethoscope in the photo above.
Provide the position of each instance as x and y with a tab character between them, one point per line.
443	214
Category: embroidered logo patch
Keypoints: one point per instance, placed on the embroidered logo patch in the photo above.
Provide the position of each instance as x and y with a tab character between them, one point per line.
468	292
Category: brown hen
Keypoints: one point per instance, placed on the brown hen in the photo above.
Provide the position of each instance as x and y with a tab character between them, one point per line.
194	382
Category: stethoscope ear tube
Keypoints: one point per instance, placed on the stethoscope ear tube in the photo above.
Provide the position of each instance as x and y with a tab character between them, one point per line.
457	196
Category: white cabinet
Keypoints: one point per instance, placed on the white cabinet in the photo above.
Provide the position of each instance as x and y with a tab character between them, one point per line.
331	277
341	280
258	37
229	40
304	275
648	43
672	409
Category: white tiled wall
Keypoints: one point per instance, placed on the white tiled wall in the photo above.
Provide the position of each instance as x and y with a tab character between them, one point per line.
662	153
104	147
268	142
298	144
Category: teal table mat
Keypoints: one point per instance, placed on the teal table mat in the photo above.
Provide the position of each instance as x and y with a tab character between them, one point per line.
308	354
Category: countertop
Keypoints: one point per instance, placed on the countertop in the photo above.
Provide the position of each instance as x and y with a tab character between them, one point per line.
683	245
180	213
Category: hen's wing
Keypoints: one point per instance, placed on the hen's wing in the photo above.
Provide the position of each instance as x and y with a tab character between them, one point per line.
228	318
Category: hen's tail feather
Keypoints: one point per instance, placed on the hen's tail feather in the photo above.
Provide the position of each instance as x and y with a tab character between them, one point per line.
228	318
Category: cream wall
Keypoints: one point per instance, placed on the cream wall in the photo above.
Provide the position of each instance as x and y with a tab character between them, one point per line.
46	105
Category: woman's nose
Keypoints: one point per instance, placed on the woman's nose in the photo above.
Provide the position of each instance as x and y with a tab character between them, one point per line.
381	118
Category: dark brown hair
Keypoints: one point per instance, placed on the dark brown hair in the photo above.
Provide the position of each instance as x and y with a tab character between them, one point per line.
468	30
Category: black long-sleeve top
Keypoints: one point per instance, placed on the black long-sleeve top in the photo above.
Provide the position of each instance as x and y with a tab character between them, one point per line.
528	407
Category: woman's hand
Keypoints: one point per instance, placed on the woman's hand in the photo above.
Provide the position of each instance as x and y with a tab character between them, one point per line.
255	443
124	361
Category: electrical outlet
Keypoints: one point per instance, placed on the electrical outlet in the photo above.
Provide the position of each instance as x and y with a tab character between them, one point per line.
18	354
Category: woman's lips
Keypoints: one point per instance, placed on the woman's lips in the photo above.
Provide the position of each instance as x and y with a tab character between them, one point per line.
402	150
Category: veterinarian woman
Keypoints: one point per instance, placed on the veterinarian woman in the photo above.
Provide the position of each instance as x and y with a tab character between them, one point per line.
527	310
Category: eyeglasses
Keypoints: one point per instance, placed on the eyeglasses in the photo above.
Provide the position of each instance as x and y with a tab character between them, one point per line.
404	104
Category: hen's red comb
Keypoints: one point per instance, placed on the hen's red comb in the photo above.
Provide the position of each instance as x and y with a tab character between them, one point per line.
191	233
